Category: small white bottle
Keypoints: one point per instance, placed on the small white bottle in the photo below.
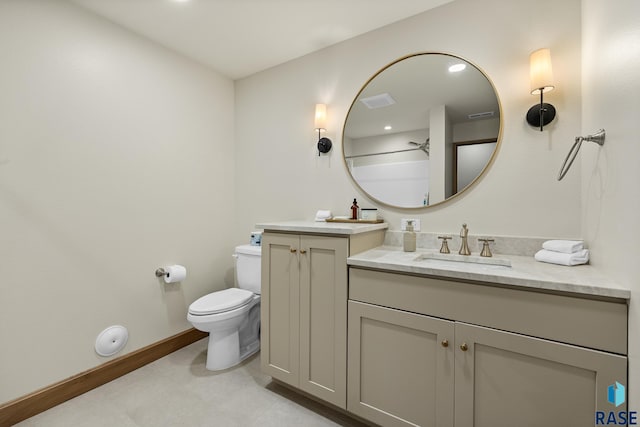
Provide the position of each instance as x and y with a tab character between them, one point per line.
409	238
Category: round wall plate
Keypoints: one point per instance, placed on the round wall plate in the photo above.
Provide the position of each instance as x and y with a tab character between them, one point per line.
324	145
548	114
111	340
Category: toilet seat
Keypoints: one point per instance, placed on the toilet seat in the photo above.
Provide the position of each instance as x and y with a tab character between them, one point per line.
220	301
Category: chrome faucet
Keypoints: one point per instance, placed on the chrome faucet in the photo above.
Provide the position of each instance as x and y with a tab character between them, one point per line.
464	247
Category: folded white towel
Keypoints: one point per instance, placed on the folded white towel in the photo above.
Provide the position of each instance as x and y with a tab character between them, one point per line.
322	215
564	246
576	258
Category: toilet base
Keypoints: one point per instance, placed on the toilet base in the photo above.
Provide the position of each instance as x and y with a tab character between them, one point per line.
229	347
249	350
224	351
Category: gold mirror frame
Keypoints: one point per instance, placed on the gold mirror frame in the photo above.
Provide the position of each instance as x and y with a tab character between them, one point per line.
480	174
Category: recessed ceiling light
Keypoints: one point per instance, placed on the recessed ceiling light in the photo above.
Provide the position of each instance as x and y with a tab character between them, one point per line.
387	127
457	68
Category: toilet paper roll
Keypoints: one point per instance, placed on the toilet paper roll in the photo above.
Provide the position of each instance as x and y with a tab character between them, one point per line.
175	273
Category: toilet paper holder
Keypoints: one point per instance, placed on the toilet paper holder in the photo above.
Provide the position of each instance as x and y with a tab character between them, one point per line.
172	273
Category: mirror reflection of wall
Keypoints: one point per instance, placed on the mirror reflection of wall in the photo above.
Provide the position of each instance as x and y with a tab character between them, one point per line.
470	158
400	135
392	167
474	144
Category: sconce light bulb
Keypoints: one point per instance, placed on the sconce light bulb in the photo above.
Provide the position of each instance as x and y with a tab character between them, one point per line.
321	116
324	144
541	72
541	76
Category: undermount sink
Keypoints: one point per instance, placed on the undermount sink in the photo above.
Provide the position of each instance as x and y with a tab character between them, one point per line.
470	259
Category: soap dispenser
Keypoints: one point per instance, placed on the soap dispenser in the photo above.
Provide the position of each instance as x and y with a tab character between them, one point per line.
409	238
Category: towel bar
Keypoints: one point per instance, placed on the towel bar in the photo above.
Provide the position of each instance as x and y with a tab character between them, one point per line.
597	137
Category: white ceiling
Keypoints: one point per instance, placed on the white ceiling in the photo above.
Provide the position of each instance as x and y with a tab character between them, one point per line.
240	37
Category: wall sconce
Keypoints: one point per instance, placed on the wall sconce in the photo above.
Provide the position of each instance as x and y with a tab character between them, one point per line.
324	144
541	82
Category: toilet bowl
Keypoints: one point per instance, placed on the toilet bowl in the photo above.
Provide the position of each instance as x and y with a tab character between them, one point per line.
232	316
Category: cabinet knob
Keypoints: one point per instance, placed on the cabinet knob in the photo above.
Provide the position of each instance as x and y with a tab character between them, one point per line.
445	343
464	347
293	250
302	251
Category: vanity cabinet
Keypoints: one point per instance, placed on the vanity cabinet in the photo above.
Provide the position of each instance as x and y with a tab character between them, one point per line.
304	309
504	378
435	352
401	367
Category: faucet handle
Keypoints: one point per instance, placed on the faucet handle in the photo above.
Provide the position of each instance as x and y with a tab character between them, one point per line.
444	249
486	250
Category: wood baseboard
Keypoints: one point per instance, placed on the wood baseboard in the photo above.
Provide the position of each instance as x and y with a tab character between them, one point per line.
39	401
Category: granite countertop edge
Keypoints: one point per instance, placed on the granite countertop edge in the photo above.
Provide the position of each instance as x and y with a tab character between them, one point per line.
525	272
322	227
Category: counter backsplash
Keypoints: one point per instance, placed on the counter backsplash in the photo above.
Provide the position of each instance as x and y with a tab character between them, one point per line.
505	245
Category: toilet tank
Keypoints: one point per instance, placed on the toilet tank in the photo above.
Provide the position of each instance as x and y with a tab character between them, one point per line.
248	267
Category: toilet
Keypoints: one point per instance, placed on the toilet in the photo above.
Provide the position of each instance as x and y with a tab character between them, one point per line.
232	316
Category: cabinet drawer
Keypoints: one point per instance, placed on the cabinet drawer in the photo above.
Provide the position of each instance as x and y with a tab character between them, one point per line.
585	322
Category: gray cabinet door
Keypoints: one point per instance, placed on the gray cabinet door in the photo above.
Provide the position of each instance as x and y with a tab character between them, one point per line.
400	367
323	318
304	313
280	308
506	379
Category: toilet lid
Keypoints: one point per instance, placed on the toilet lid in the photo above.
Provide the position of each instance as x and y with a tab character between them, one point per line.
220	301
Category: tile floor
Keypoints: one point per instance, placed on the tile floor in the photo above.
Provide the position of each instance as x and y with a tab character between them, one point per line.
177	390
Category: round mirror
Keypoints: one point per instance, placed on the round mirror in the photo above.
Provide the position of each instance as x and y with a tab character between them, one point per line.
422	130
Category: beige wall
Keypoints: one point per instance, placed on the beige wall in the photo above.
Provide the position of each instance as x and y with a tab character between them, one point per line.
610	175
279	173
598	200
115	159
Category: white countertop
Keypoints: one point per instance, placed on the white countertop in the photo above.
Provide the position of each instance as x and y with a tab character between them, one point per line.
322	227
524	272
